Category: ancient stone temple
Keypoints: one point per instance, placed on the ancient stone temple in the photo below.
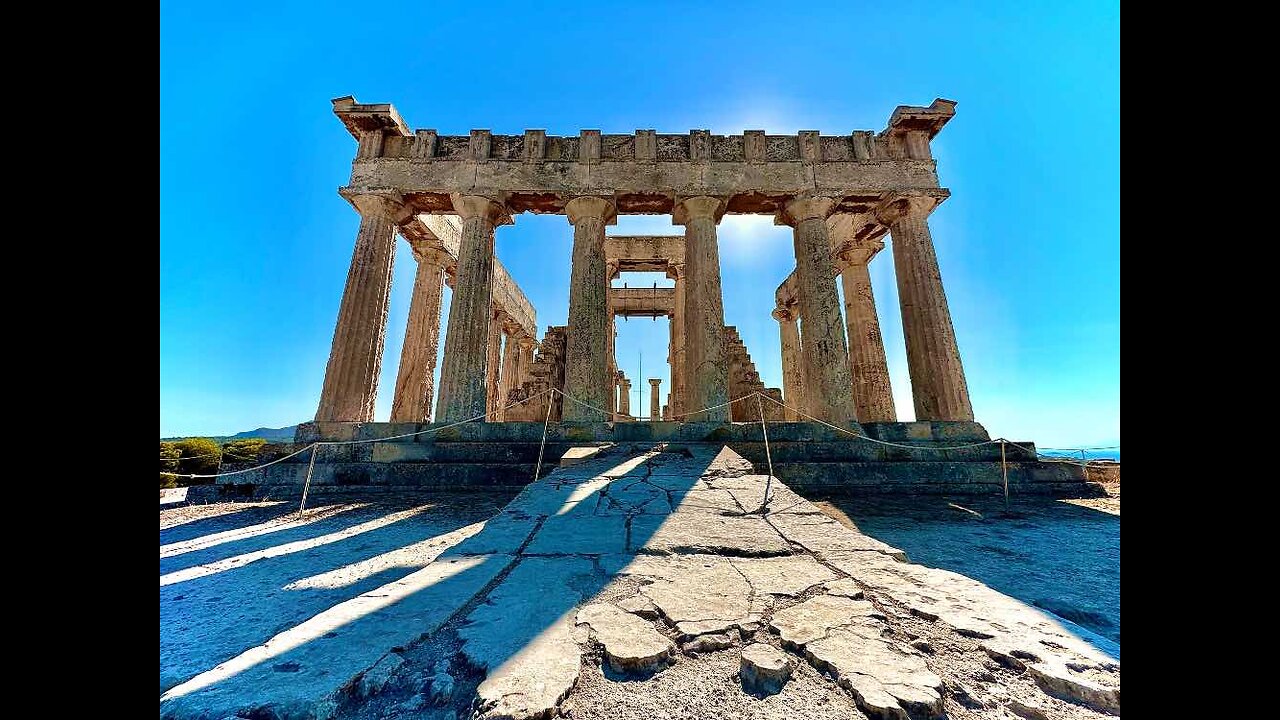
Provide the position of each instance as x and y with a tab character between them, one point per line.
657	555
452	197
448	195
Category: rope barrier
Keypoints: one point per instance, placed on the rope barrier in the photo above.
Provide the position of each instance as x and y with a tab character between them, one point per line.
358	442
607	414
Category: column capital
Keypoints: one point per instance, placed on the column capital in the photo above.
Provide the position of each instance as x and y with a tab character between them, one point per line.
481	206
581	208
861	253
696	207
784	314
675	270
389	205
799	209
610	270
655	381
896	205
526	342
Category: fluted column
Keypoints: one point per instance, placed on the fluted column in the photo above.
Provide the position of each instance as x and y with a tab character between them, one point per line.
676	271
586	368
493	368
355	357
831	391
938	384
525	361
655	400
706	369
509	378
464	375
872	394
624	397
792	363
416	377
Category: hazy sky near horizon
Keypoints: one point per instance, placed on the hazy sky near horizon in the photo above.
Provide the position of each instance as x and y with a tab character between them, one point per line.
255	242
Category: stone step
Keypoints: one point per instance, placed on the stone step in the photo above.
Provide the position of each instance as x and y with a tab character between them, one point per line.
931	477
864	451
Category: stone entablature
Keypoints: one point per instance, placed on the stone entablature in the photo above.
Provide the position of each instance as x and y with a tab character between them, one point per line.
643	173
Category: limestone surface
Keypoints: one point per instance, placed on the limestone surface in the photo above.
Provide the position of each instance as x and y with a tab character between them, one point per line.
630	644
765	669
527	619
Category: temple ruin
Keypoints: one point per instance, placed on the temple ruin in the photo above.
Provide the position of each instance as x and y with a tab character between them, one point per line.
447	195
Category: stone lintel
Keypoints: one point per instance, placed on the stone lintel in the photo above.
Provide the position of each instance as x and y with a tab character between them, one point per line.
363	117
644	253
642	302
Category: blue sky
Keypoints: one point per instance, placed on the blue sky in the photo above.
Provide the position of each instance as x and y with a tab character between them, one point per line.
255	242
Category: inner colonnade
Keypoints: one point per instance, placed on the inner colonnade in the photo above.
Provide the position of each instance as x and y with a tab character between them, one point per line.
447	195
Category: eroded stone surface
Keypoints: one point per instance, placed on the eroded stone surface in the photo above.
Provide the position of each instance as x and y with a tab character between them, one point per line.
841	601
764	669
813	619
630	644
523	637
788	575
872	668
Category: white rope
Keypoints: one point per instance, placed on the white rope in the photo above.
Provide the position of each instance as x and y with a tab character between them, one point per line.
609	414
880	442
714	407
358	442
480	417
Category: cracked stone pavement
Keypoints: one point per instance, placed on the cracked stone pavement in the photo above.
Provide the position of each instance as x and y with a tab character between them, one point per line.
651	565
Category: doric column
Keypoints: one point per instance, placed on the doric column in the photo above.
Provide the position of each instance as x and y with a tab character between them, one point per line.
872	395
525	361
706	370
510	377
586	369
464	375
938	384
416	378
355	357
655	401
676	271
831	391
493	368
624	397
792	363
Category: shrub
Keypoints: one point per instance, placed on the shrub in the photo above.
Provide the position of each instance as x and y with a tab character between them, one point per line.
199	456
243	450
169	455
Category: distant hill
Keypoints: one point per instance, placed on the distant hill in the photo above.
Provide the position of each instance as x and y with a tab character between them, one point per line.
284	434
